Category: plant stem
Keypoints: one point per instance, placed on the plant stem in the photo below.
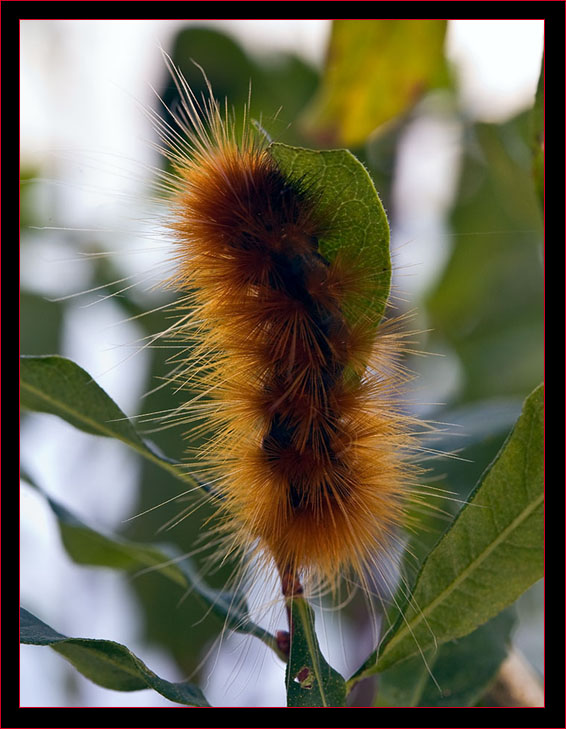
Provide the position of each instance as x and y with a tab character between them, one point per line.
290	587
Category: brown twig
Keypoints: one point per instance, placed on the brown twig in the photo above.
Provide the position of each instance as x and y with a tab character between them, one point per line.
516	684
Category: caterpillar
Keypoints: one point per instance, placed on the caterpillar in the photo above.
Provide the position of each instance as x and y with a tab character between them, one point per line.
295	374
306	442
299	379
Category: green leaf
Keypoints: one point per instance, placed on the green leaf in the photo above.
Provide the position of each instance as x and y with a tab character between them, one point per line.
457	674
41	323
310	680
107	663
488	304
230	606
492	552
281	84
375	70
56	385
355	222
537	137
87	546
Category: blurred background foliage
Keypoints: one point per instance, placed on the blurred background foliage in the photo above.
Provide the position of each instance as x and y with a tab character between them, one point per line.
483	309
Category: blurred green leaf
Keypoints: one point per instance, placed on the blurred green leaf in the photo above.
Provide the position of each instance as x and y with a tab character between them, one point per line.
457	674
537	137
356	222
492	551
165	622
469	437
224	61
87	546
310	680
488	303
230	606
41	324
56	385
107	663
281	83
474	432
28	197
375	70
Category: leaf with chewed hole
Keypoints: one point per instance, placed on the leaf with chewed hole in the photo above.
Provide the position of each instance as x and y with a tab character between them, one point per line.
310	680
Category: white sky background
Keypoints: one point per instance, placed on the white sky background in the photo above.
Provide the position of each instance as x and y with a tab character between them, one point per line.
79	84
498	63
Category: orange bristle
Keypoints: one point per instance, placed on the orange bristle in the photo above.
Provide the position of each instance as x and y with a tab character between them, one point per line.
307	446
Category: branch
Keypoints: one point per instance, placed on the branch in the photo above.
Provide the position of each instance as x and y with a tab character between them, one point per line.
516	684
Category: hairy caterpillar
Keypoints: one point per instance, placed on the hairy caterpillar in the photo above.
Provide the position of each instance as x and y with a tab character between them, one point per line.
307	191
340	370
299	388
309	483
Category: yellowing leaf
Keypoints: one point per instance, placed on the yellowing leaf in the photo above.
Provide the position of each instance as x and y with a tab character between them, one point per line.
375	70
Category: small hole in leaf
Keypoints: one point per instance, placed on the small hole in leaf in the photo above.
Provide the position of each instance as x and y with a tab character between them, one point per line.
305	678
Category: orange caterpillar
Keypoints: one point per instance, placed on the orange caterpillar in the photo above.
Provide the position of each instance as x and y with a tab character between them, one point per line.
306	445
